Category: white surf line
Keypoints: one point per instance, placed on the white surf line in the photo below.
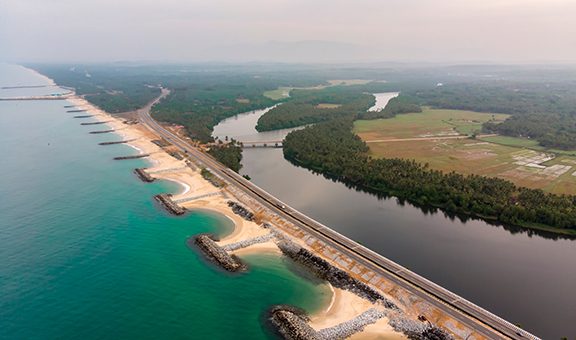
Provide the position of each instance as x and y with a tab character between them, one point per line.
332	300
186	188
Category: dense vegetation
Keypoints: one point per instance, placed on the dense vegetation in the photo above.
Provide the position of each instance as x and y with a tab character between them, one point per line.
542	102
550	130
199	107
332	149
545	112
201	94
106	87
312	106
229	154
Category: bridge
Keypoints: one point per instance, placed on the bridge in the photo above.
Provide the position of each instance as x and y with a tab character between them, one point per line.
262	144
481	321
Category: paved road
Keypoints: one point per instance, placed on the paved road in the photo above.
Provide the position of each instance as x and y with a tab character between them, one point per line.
478	319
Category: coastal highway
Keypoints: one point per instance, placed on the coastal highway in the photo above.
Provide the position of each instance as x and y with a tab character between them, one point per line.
481	321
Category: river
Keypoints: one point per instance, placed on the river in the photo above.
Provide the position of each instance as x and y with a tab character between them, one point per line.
525	277
87	254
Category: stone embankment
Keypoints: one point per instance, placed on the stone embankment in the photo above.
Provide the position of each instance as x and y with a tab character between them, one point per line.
166	201
241	210
143	175
337	277
161	143
248	242
353	326
217	254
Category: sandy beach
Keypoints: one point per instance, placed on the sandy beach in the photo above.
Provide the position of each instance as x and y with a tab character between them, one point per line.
48	80
198	193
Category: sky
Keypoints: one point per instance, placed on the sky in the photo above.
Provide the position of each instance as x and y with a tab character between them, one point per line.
498	31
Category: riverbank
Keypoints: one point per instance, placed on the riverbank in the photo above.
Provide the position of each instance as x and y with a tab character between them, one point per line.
200	194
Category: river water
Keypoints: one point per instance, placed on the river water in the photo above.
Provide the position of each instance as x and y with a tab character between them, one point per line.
85	253
524	277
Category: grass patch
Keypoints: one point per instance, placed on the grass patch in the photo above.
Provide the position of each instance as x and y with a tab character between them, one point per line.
483	158
514	141
488	156
428	123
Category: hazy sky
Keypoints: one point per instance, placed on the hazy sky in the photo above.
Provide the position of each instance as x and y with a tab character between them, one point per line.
288	30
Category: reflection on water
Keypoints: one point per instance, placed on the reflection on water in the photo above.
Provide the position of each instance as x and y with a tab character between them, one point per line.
242	127
524	276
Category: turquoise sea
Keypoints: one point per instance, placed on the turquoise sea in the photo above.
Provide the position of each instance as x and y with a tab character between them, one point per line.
85	253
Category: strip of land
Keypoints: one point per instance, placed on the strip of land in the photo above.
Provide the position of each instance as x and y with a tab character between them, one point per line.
396	305
165	166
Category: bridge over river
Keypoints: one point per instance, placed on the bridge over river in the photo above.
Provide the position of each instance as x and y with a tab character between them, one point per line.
262	144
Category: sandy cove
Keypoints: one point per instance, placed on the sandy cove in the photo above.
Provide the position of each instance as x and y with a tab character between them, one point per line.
344	305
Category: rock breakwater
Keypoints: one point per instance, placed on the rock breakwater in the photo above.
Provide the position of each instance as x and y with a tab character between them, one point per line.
217	254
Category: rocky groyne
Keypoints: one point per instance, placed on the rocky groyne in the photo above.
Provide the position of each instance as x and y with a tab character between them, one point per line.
94	123
131	157
143	175
166	201
116	142
292	324
103	131
217	254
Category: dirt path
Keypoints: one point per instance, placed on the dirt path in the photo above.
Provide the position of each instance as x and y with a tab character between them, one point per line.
424	138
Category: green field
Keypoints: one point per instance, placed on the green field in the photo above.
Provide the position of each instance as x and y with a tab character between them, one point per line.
525	143
519	160
428	123
514	141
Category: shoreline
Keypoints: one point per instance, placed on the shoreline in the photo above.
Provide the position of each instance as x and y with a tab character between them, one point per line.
193	184
50	81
